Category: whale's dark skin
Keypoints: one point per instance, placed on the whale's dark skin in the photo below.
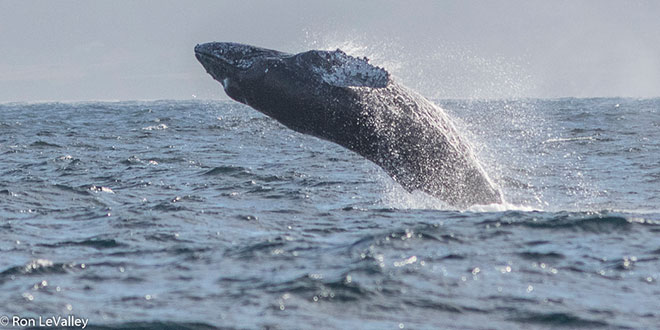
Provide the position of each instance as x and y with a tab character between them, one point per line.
346	100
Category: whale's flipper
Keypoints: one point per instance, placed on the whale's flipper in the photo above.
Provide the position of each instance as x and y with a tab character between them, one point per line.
339	69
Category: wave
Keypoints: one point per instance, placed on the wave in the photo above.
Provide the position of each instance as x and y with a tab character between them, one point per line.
581	221
155	325
581	138
37	266
95	242
44	144
559	319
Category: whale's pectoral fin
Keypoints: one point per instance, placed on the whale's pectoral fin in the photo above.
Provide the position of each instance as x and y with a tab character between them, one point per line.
338	69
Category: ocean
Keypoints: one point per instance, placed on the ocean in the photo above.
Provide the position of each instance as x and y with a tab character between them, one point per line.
206	214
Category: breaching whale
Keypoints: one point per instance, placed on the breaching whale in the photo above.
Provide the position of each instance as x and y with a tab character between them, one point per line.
346	100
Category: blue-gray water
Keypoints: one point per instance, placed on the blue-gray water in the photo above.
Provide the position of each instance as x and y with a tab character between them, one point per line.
205	214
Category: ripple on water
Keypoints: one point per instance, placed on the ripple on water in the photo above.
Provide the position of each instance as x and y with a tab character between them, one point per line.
99	243
153	325
585	222
244	224
559	320
37	267
44	144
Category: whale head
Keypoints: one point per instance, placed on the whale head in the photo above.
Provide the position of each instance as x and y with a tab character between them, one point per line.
294	89
234	65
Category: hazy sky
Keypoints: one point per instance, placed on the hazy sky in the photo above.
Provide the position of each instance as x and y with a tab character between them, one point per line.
126	50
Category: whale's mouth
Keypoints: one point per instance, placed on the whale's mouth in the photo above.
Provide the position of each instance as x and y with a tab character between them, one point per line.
203	57
212	56
219	61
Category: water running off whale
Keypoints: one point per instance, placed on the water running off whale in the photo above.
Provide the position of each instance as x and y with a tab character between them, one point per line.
346	100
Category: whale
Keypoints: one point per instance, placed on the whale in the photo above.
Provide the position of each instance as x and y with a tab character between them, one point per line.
349	101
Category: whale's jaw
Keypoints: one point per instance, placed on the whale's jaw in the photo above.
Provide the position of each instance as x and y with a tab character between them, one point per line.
234	65
218	61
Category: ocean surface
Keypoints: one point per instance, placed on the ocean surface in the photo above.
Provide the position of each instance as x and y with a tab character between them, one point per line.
207	214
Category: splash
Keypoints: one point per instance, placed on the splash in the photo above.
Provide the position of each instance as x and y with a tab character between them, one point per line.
395	196
438	71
